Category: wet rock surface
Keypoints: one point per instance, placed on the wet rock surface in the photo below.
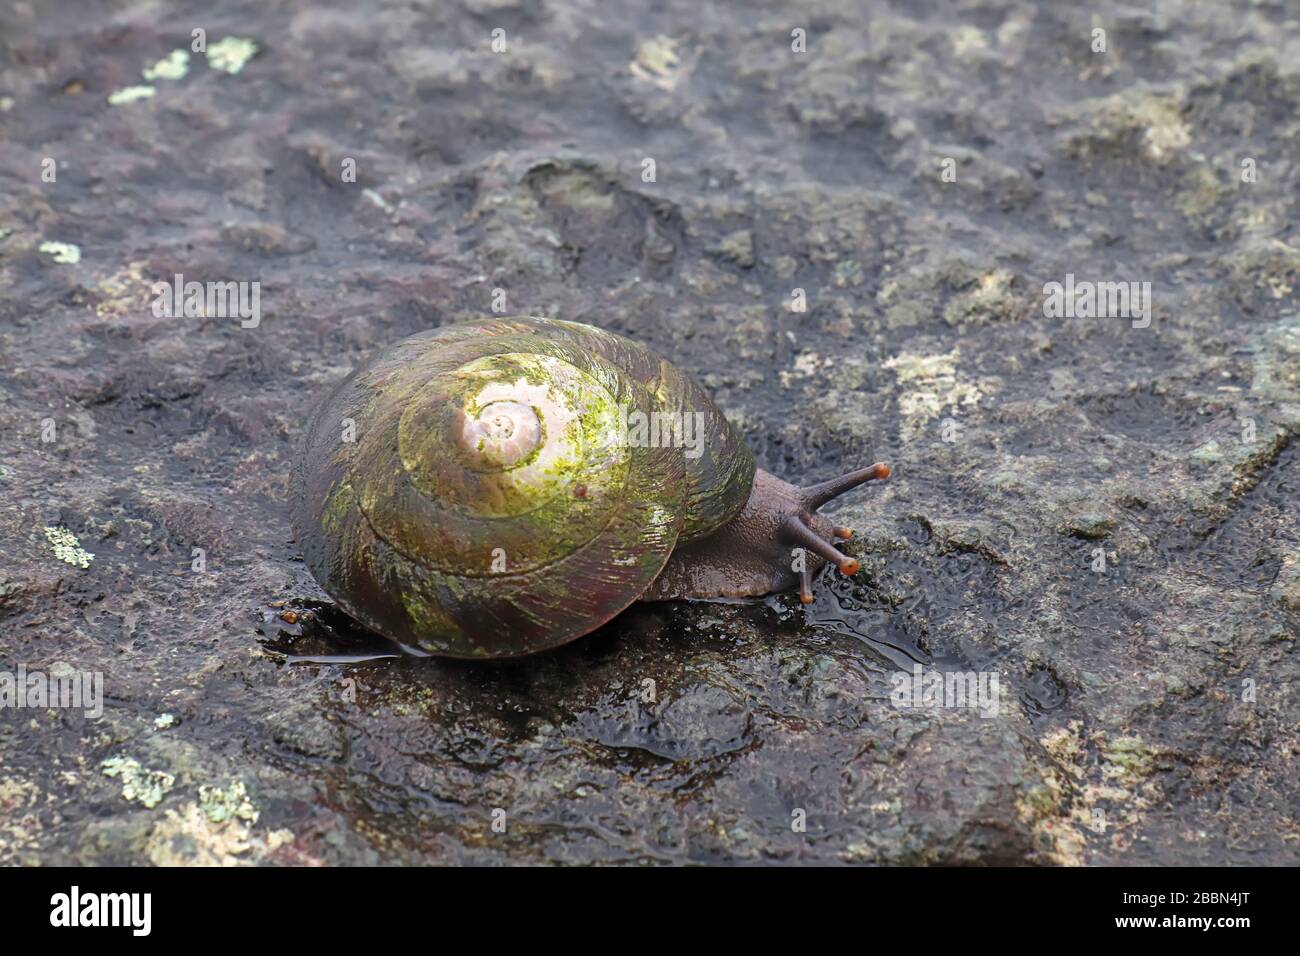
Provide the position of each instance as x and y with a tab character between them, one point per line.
1101	514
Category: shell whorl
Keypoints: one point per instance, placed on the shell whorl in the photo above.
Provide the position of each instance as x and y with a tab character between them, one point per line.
499	435
517	456
492	504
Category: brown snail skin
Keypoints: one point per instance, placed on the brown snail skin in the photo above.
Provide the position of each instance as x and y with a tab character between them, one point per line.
479	491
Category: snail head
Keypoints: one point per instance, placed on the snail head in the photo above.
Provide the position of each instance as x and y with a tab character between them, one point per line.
776	542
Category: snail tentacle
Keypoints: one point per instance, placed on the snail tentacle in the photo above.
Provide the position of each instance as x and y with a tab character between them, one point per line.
797	532
814	496
805	586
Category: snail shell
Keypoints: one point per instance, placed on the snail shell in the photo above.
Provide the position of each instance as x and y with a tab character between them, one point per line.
491	503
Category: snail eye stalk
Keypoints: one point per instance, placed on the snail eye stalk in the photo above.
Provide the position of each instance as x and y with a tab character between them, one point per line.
805	537
814	496
798	528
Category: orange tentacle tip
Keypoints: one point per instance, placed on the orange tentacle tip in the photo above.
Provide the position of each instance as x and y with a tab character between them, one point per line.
882	470
850	567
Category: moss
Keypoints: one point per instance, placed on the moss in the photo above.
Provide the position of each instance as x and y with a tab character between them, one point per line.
1088	525
1127	758
419	597
1038	802
847	272
336	510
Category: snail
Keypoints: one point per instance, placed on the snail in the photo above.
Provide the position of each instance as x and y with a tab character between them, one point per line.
500	487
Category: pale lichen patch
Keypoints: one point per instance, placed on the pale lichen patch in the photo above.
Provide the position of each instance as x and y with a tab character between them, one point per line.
130	94
805	365
232	803
174	66
125	291
968	40
232	54
64	253
1158	119
1081	799
657	61
67	548
929	385
138	783
376	199
1127	760
190	836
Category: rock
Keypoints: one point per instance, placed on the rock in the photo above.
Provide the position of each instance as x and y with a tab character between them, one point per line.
801	251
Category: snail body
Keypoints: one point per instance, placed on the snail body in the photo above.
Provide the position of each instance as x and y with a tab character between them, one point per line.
498	497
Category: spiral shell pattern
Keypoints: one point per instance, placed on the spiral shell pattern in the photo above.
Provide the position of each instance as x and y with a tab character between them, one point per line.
491	504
